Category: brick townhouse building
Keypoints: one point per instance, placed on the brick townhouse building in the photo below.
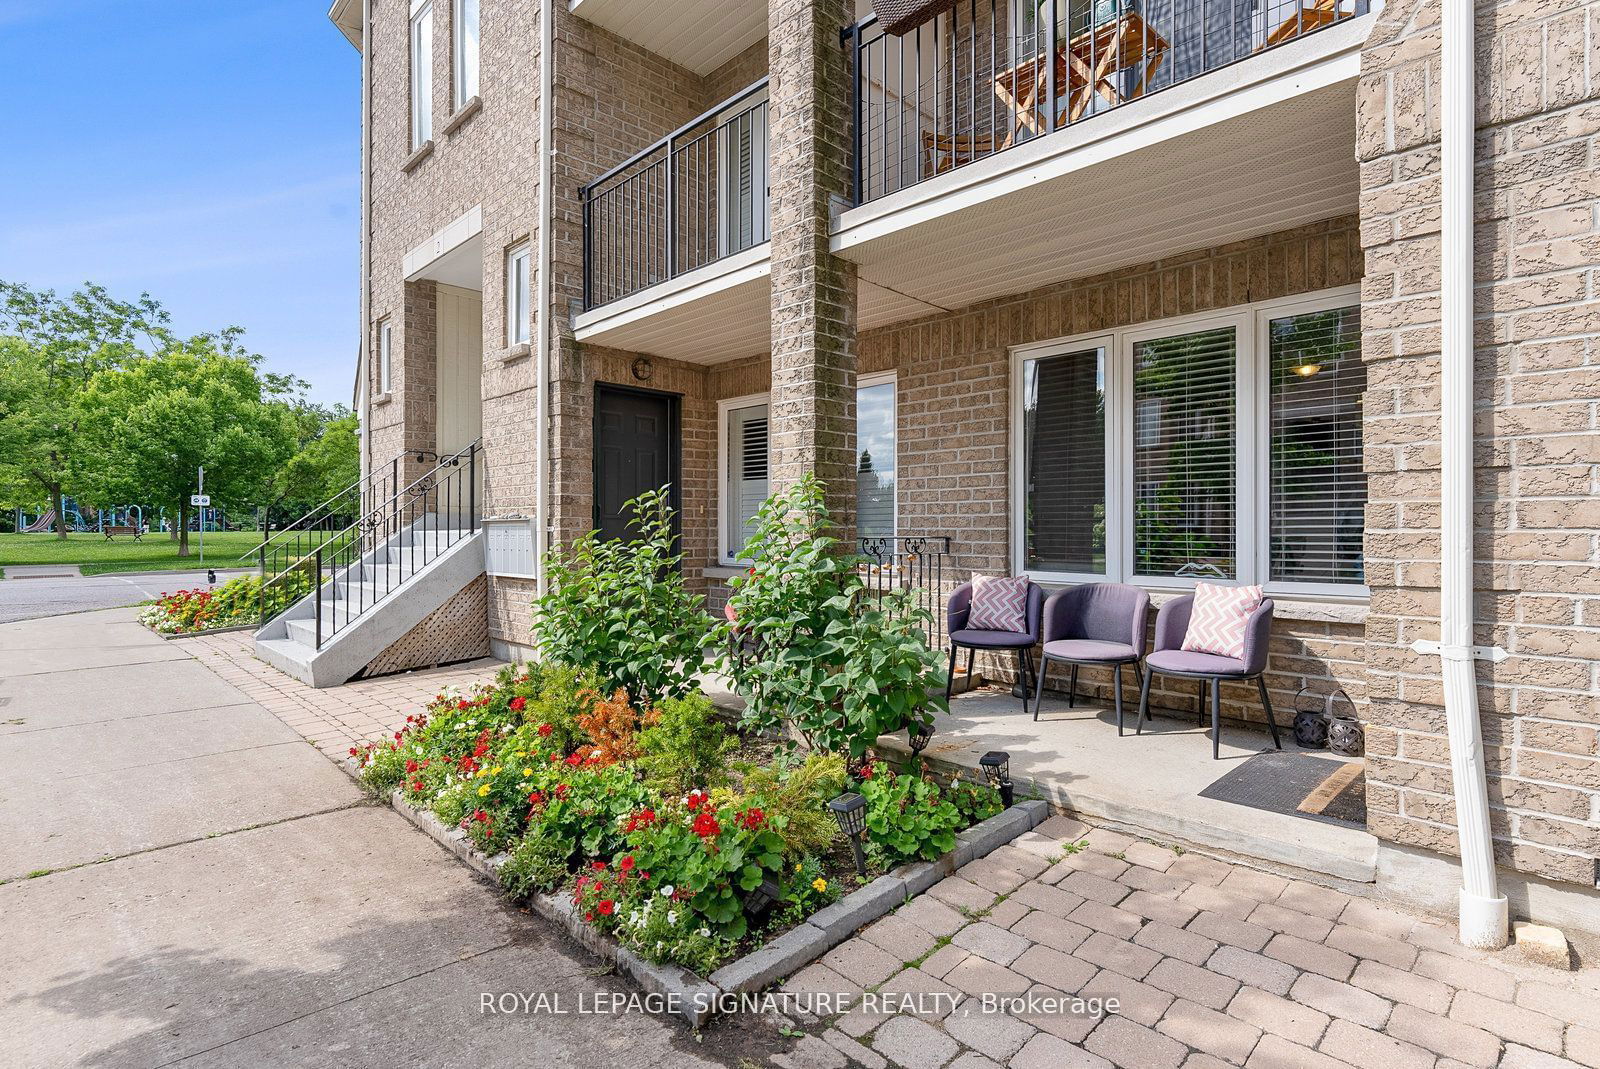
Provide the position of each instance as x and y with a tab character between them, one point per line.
1266	290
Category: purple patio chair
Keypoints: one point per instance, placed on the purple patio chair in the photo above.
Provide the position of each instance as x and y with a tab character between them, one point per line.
962	637
1170	659
1097	624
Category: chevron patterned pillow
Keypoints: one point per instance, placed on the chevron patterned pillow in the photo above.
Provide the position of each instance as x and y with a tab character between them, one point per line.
1218	619
999	603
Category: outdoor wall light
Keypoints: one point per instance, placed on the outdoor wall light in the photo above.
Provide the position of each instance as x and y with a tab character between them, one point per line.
921	734
1305	371
996	765
850	810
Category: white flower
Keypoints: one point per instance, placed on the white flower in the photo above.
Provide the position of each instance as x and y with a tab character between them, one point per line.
672	916
704	933
666	892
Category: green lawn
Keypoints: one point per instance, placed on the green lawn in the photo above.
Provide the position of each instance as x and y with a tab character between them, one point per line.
157	553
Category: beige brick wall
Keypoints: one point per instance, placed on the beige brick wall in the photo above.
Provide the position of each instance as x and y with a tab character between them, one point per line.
1538	588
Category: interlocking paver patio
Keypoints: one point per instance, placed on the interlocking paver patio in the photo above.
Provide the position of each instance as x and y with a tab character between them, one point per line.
1314	979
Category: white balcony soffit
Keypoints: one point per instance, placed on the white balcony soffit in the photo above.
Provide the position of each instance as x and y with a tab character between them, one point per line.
1261	146
701	35
453	254
718	312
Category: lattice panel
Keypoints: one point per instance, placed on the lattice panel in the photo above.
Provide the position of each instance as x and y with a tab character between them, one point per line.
458	630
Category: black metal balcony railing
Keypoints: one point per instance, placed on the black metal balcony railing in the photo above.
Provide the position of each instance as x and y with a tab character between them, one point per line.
971	84
914	563
693	197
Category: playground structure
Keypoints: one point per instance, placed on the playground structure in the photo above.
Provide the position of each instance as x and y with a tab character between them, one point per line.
118	518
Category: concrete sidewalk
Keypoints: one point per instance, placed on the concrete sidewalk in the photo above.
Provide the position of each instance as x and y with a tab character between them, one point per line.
208	889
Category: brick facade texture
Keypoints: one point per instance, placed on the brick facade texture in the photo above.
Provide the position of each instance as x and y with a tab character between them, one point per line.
1539	373
1538	378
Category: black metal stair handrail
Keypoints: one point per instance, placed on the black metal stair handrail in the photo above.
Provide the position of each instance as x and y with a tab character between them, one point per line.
410	526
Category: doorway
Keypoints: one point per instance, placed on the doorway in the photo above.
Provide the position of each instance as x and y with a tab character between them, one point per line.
636	447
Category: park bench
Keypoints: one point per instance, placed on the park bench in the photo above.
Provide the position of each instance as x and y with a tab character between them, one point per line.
136	532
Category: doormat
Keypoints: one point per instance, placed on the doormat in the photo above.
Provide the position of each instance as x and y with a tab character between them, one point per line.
1297	785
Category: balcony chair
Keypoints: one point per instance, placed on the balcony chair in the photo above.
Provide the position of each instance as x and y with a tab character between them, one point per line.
1171	659
1098	624
957	612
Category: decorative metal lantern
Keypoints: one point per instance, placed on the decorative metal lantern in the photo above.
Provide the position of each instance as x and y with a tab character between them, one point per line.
1346	736
1310	719
758	902
850	810
921	734
996	765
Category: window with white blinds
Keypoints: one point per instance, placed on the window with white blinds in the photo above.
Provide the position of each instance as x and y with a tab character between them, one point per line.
1064	463
1222	446
746	472
1183	454
1318	488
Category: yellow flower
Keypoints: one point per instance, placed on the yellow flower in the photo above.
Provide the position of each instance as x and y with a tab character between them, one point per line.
820	884
483	790
495	771
482	772
798	865
527	772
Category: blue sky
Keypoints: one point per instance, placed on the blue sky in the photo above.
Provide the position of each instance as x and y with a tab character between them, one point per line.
208	153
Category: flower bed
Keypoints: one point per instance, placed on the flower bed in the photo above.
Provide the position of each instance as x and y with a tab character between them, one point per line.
236	603
687	843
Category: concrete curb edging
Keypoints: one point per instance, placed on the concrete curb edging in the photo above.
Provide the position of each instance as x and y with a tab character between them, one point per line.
696	1000
208	631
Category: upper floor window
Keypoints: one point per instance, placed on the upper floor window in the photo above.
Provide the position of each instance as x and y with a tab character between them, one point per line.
464	20
384	357
421	72
519	319
1225	446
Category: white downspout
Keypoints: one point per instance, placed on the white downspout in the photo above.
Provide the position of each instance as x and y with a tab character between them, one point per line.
1482	907
541	373
363	356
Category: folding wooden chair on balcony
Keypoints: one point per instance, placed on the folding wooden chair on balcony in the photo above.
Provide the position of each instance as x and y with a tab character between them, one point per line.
942	152
1307	17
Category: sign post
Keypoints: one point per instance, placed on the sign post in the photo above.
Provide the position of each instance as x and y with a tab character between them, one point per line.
201	501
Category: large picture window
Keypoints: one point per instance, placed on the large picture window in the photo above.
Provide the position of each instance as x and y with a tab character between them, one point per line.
1223	446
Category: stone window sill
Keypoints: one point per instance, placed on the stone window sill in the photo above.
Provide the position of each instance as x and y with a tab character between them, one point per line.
423	152
520	351
463	113
722	571
382	399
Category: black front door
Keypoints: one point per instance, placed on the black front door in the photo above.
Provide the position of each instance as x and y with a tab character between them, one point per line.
635	449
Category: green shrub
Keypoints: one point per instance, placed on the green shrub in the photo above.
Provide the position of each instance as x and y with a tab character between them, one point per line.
565	693
908	817
816	649
537	863
685	746
621	608
800	791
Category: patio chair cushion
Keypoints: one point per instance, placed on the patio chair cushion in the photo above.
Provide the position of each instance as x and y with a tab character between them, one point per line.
999	603
1219	619
1196	664
990	640
1089	649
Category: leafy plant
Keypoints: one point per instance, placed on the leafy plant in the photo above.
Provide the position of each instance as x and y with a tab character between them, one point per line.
908	816
612	725
564	694
621	608
800	791
684	746
537	863
810	646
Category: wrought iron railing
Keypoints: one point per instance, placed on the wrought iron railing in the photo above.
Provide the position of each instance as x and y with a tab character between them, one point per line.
346	572
910	562
976	82
695	196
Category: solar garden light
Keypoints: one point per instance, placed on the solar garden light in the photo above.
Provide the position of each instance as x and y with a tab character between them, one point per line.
996	765
850	810
921	734
762	899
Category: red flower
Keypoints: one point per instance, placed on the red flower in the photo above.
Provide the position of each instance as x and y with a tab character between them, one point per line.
607	907
544	731
706	826
753	818
561	790
518	704
463	704
626	864
642	819
411	765
695	800
575	759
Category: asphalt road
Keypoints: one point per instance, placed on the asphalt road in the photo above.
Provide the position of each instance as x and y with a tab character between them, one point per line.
30	599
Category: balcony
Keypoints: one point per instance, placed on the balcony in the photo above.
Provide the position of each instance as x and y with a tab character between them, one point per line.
677	236
1154	128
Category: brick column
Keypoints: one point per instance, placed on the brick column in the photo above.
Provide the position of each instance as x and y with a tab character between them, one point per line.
1536	431
813	413
416	371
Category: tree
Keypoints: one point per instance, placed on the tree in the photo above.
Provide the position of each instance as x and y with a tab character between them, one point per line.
148	426
53	346
326	464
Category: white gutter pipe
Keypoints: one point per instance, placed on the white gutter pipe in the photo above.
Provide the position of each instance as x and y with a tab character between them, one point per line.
1482	907
363	363
541	373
